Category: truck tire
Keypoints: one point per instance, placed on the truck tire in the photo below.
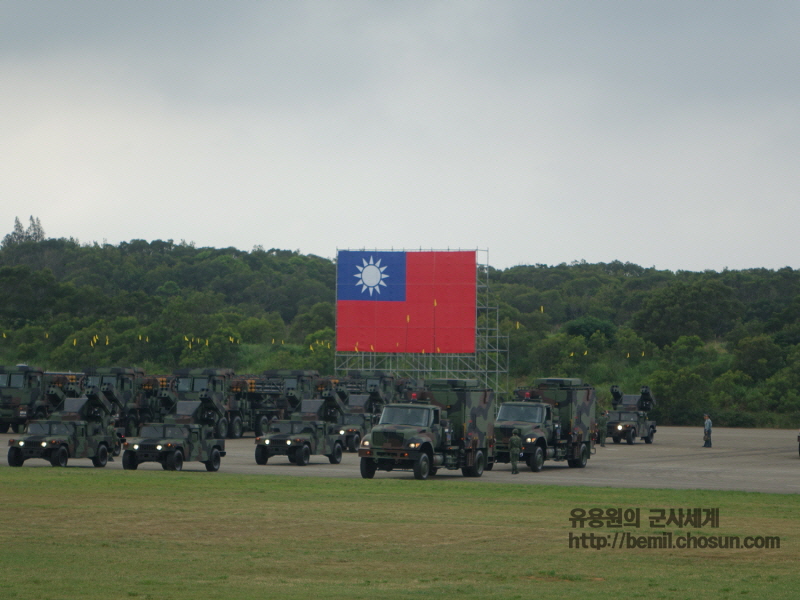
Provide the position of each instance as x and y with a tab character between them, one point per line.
262	425
422	467
222	428
59	457
236	429
354	442
130	462
630	438
368	468
476	470
336	457
649	438
15	457
536	460
262	455
101	458
302	455
489	466
212	464
580	462
175	461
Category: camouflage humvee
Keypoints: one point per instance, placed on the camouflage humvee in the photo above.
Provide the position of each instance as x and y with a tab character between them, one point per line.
556	420
81	428
628	419
313	430
450	425
186	435
132	390
21	397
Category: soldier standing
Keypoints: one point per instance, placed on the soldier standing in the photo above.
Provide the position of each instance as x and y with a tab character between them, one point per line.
707	431
602	426
514	448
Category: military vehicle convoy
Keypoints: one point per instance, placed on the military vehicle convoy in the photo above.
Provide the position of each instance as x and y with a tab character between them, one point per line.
81	428
187	434
555	419
314	429
450	425
131	390
628	419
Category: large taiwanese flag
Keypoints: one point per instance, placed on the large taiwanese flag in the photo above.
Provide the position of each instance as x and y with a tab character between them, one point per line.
417	302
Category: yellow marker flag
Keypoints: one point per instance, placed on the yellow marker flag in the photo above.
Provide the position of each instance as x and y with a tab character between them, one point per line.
4	334
585	352
75	342
517	324
311	347
148	339
572	354
439	350
273	340
106	340
541	309
408	319
642	352
185	339
140	337
434	302
206	341
46	335
629	355
372	348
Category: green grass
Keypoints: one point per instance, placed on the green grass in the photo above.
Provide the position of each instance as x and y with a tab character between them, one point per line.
85	533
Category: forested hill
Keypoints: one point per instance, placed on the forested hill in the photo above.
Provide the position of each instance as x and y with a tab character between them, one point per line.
725	342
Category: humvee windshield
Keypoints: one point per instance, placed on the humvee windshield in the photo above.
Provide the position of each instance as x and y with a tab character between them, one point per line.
163	431
526	414
623	416
35	428
287	427
406	415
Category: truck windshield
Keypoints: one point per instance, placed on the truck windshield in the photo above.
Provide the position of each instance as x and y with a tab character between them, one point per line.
396	415
623	416
527	414
354	419
99	381
35	428
13	380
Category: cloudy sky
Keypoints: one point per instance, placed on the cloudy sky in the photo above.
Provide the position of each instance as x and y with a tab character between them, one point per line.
665	134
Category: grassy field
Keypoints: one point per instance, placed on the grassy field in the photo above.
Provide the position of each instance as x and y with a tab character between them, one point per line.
91	533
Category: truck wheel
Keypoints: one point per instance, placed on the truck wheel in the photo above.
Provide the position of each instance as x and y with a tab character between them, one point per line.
130	462
175	461
236	429
212	464
302	455
262	426
536	460
15	457
480	464
222	428
422	467
117	447
489	466
581	461
101	458
368	468
59	457
649	438
336	457
631	437
262	456
354	442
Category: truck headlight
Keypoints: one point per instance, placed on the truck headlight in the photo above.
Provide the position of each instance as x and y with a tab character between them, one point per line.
288	442
365	443
619	427
529	440
159	447
22	443
44	444
341	432
136	446
266	442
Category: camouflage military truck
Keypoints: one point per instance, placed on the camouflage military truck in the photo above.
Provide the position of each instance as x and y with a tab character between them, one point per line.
132	390
81	428
21	397
206	385
628	419
288	387
555	418
188	434
314	429
364	396
450	426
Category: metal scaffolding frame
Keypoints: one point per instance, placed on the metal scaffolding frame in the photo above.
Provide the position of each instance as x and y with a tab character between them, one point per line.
489	363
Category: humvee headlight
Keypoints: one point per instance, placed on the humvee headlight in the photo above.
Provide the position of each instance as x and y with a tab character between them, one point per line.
266	442
288	442
44	444
619	427
159	447
21	443
341	432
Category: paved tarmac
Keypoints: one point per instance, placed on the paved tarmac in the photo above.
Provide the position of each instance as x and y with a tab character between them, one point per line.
751	460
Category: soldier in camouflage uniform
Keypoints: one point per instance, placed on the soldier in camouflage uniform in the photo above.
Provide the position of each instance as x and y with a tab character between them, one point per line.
602	428
514	449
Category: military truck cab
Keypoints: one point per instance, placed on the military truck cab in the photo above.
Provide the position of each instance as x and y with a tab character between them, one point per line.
188	434
448	426
555	419
21	397
135	394
628	419
314	429
80	429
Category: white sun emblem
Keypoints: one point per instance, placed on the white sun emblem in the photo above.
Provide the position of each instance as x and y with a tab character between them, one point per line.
371	276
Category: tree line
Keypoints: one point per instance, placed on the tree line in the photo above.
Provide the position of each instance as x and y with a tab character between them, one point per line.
725	342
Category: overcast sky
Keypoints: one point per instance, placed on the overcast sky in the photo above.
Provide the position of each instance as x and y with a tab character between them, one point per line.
666	134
